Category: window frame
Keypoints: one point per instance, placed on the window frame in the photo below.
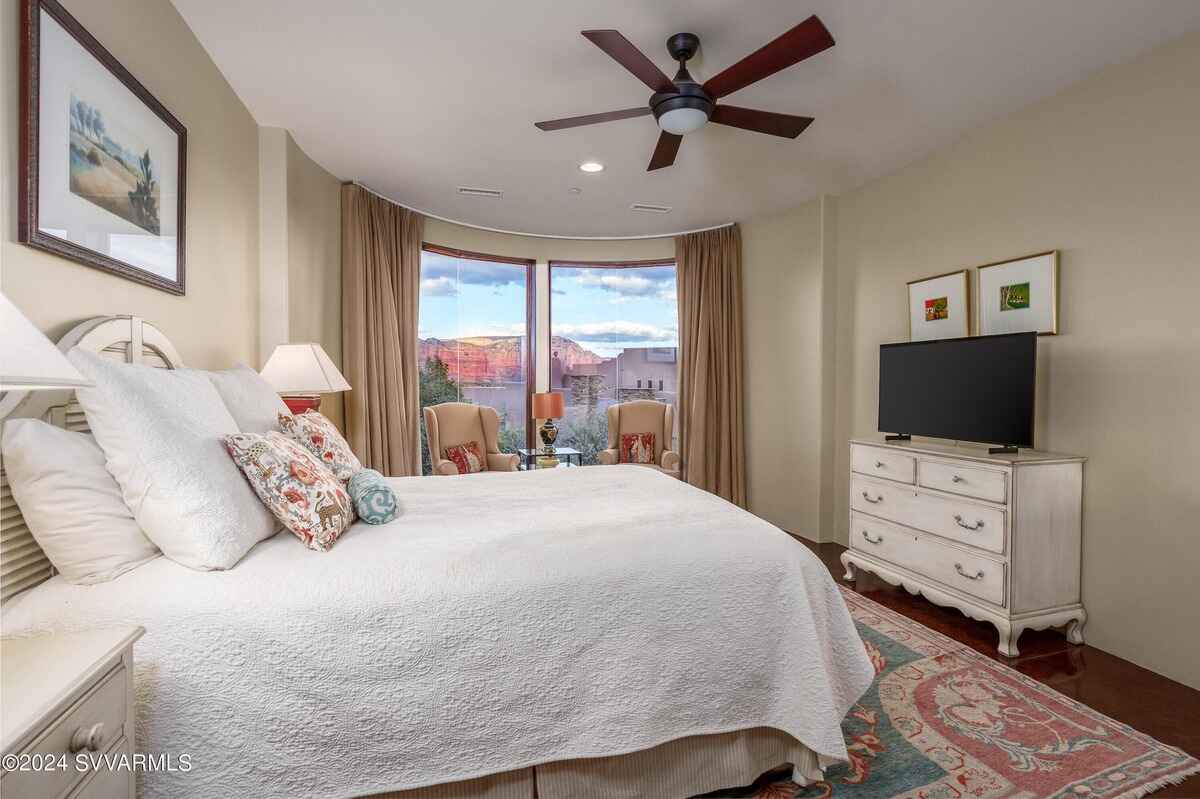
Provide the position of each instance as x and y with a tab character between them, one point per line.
559	262
531	332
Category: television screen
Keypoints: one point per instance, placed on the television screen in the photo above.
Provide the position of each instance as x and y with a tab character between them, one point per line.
968	389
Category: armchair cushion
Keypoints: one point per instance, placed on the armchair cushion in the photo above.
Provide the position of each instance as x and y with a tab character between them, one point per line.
607	457
467	458
502	461
637	447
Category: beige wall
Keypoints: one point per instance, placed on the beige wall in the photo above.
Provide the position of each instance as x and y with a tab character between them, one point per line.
782	283
1108	173
215	325
314	256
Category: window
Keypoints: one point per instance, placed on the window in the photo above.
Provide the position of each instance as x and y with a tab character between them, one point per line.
472	337
613	337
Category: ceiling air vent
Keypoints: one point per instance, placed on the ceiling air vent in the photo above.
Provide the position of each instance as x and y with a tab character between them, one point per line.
491	194
650	208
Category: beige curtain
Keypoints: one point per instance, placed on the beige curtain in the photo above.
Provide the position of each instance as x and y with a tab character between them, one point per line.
381	280
711	433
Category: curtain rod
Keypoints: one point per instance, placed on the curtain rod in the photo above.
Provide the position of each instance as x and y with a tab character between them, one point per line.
382	196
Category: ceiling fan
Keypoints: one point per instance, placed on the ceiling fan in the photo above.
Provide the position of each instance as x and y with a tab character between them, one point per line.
681	105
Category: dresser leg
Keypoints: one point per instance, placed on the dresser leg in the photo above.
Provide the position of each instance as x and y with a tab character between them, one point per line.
849	566
1008	638
1075	630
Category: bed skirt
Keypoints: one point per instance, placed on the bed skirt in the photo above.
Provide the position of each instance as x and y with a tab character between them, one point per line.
674	770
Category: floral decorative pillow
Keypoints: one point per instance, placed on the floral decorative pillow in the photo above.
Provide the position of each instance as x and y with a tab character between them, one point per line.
637	448
292	483
466	457
322	439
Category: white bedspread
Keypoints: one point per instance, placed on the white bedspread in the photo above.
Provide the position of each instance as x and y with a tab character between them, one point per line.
503	620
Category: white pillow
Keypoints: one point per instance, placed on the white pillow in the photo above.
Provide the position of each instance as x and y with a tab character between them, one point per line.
70	502
161	431
251	401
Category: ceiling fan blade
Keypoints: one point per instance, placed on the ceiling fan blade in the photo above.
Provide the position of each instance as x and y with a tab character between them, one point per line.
806	39
784	125
624	53
592	119
664	151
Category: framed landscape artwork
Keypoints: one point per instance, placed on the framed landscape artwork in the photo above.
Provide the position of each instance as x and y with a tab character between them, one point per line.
939	307
1019	296
102	162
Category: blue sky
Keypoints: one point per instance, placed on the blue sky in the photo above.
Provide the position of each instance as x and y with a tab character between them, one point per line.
605	310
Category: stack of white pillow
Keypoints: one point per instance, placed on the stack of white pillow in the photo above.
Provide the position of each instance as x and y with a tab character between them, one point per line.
153	476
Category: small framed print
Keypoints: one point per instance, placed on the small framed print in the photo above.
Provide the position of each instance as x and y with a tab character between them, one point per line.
1019	296
939	307
102	162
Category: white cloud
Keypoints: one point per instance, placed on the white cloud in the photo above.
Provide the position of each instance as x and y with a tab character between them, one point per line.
439	287
608	331
628	283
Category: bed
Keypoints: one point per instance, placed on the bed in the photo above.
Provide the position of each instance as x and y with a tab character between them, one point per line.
594	632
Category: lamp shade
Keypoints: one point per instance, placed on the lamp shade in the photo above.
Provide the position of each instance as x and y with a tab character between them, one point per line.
303	369
28	360
548	405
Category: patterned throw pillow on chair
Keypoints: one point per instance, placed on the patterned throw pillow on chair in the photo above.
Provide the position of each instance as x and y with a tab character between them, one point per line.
320	437
292	483
465	457
637	448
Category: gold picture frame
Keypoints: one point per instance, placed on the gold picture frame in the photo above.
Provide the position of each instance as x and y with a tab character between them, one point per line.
924	321
1035	278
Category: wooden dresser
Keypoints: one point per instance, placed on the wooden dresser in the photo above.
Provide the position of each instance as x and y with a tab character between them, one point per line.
996	536
67	723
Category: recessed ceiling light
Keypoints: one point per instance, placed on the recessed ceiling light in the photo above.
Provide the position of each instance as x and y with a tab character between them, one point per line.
591	166
575	190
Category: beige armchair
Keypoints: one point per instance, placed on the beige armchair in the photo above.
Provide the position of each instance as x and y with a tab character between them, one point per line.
643	416
452	423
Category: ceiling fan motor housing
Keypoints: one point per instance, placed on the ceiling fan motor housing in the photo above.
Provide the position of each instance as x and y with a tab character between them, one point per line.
688	99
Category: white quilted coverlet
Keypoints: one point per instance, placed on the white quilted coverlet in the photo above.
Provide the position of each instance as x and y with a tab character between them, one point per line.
503	620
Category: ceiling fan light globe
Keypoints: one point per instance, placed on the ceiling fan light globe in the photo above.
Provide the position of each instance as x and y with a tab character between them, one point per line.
682	120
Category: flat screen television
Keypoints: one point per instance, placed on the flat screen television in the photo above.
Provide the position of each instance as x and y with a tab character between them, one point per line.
968	389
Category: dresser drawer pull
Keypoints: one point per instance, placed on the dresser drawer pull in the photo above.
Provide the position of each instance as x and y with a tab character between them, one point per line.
867	497
870	540
880	465
90	738
976	576
978	523
957	479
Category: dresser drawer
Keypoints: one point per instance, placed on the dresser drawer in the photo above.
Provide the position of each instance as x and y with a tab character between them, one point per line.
885	463
105	783
970	481
972	574
105	705
966	522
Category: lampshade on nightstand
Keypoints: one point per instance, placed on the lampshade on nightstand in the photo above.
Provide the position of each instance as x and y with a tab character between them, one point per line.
28	360
301	373
548	406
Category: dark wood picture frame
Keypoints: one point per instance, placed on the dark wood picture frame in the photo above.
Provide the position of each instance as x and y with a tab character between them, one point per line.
28	229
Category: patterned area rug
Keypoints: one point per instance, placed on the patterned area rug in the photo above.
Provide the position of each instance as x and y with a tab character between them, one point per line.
942	721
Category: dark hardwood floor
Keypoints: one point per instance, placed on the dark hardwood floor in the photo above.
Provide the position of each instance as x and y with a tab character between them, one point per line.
1146	701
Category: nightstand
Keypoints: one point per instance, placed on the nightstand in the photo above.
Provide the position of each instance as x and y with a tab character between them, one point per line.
66	700
529	457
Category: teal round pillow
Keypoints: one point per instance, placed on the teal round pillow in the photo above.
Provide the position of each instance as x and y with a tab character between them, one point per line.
373	498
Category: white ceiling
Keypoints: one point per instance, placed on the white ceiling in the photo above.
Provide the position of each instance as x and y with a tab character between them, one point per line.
415	101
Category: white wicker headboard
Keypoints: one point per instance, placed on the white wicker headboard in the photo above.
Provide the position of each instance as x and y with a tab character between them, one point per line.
123	338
